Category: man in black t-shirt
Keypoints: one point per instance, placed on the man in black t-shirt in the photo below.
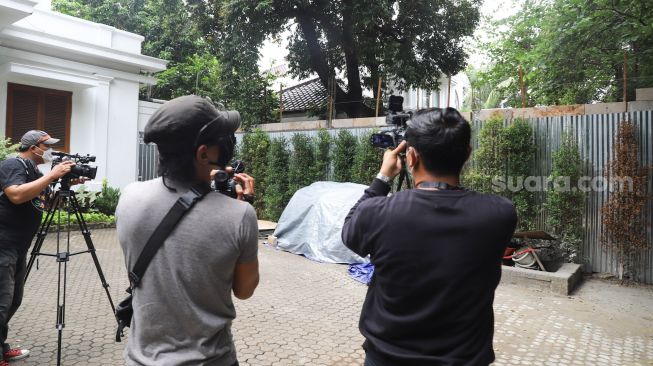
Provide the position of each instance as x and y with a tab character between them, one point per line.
436	249
22	201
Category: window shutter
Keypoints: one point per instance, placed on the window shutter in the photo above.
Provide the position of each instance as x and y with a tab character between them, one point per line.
55	118
25	113
32	108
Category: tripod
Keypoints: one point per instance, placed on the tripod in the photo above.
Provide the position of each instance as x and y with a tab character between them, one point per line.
65	199
403	174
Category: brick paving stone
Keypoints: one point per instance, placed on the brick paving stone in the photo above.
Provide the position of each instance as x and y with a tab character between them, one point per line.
306	313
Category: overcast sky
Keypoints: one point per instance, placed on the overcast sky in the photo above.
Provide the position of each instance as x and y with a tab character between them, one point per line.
273	53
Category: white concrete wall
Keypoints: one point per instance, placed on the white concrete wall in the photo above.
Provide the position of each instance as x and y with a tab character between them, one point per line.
145	111
64	26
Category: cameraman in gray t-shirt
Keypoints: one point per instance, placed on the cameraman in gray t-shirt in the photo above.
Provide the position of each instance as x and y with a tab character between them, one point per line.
183	307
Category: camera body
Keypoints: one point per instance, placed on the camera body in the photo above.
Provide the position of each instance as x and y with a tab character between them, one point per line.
81	167
224	181
396	117
392	138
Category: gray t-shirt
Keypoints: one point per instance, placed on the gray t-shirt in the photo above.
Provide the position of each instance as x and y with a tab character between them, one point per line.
183	307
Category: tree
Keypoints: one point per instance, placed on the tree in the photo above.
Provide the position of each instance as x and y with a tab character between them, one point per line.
301	171
174	31
344	153
623	215
572	51
323	155
565	203
409	42
367	161
276	180
254	151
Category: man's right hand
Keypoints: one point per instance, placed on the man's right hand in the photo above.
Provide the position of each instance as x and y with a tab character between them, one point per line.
60	170
391	166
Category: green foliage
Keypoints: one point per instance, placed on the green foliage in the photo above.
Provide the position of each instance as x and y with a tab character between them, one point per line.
302	163
565	203
344	153
276	181
502	162
323	155
488	158
178	31
107	201
7	148
253	152
518	153
86	198
89	217
367	161
571	51
402	40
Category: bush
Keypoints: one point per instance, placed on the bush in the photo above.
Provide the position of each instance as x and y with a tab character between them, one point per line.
517	149
86	198
276	180
89	218
7	148
107	201
301	169
502	162
343	156
253	151
565	203
367	161
323	155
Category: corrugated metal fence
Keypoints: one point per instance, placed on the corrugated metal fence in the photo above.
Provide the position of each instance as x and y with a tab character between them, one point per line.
594	134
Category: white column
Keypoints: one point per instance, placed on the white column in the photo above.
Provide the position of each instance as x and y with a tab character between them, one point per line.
102	105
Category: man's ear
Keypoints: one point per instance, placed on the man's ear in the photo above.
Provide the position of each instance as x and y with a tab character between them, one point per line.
200	153
414	155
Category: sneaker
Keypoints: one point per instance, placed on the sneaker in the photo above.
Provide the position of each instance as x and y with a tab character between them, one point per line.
15	354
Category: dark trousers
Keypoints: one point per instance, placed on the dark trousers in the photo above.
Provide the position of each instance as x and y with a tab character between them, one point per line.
13	263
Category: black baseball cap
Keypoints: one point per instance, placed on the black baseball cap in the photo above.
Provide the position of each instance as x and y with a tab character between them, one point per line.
178	124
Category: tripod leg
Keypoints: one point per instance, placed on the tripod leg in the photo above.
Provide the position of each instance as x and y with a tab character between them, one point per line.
91	248
42	232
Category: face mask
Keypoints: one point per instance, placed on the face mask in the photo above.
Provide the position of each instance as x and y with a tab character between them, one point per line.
47	155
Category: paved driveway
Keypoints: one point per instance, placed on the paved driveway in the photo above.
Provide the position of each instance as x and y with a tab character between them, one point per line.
306	313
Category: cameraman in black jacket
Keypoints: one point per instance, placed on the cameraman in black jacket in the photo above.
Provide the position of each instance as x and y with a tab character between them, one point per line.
436	250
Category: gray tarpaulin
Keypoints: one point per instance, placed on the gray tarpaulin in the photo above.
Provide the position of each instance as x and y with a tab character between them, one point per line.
311	223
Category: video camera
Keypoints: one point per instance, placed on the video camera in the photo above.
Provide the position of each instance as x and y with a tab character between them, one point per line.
81	167
396	117
224	181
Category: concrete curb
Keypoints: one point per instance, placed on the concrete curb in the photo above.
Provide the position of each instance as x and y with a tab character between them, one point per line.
561	282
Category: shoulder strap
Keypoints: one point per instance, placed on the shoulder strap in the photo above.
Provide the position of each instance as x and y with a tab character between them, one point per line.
183	205
24	164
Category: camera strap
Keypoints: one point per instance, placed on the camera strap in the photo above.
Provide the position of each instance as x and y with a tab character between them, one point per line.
165	227
440	185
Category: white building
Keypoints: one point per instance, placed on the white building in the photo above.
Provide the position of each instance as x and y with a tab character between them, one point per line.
75	79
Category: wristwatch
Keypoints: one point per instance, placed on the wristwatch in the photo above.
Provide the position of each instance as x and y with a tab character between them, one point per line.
384	178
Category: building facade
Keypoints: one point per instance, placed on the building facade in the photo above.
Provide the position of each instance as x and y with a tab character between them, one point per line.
75	79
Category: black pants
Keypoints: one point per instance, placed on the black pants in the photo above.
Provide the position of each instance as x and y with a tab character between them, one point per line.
13	263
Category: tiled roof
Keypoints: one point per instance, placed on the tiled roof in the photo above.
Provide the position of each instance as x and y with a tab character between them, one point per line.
303	96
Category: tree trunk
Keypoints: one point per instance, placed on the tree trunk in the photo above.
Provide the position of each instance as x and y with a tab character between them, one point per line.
350	103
